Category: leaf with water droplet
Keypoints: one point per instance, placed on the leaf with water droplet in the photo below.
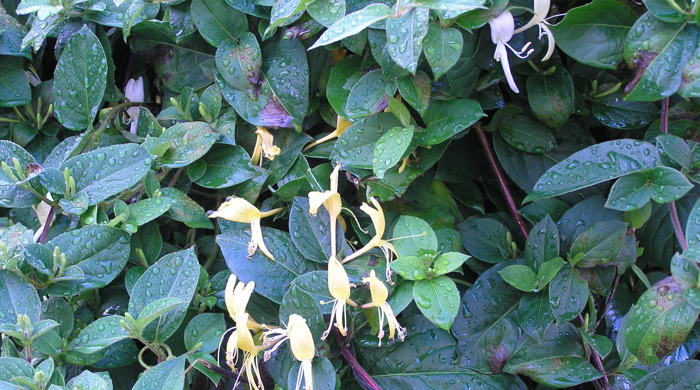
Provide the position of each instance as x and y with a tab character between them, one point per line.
99	335
551	97
485	239
448	118
568	294
442	48
217	21
390	148
14	86
168	375
405	35
526	135
353	23
207	328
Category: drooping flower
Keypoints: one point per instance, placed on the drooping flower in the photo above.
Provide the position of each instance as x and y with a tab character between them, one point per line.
133	91
339	287
379	222
301	342
341	125
242	339
379	294
236	296
242	211
264	146
541	8
502	29
331	201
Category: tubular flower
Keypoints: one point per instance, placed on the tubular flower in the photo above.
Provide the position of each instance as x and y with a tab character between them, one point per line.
242	211
264	146
502	27
339	287
301	343
341	125
541	8
331	200
242	339
236	296
379	294
134	92
379	222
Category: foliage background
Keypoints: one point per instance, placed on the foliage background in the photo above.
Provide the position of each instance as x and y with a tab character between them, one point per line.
569	208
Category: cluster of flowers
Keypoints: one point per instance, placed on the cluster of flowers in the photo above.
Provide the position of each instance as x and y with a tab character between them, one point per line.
301	342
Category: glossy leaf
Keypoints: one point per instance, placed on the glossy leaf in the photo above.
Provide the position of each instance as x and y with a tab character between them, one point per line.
353	23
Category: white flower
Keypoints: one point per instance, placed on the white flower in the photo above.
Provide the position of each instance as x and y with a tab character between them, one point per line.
541	8
134	92
502	29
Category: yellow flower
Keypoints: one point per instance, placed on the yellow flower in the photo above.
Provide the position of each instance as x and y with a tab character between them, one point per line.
379	294
301	342
339	287
242	339
264	146
379	222
240	210
341	125
236	296
331	200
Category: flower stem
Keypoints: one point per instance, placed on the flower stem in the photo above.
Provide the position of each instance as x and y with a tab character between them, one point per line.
501	180
47	225
363	378
675	221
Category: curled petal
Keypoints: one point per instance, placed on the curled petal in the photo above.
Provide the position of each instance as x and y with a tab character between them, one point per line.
550	41
257	240
502	56
541	8
237	210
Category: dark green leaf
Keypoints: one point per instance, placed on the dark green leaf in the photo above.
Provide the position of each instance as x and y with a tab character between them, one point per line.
423	236
405	35
568	293
205	328
446	119
353	23
519	276
442	48
551	97
169	375
14	87
217	22
485	239
19	297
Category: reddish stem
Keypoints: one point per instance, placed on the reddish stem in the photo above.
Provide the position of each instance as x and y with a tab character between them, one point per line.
501	180
362	377
47	225
677	228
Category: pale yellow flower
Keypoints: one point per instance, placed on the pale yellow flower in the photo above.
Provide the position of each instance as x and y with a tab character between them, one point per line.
339	287
242	339
242	211
341	125
502	29
236	295
379	294
301	342
379	222
331	201
539	19
264	146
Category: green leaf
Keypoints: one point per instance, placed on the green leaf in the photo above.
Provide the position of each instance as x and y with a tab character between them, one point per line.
613	111
600	243
90	380
285	12
286	70
99	335
369	95
423	237
548	270
692	227
551	97
272	276
353	23
519	276
675	149
340	81
80	80
535	314
390	148
593	165
448	262
8	151
99	251
311	234
405	35
186	210
217	22
662	10
486	325
446	5
568	293
156	309
526	135
673	376
14	86
186	142
298	301
240	62
594	33
412	267
147	210
207	328
222	167
107	171
442	48
322	371
173	276
661	50
19	297
448	118
659	322
542	242
662	184
557	361
355	147
169	375
416	91
326	12
485	239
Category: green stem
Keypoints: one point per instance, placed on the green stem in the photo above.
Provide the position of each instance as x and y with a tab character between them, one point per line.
103	126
